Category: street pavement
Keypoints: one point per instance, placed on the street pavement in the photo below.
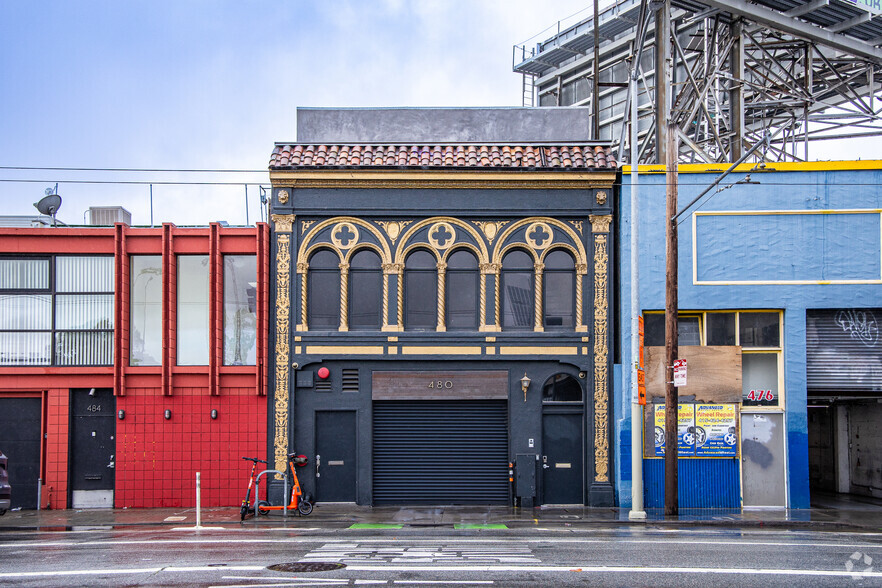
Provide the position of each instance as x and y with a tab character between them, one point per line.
347	545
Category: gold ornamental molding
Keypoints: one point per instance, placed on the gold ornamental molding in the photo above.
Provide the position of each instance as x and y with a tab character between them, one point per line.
601	198
393	228
283	222
283	352
601	356
490	228
500	180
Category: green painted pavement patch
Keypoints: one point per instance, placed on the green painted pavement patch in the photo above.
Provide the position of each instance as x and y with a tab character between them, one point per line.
478	526
374	526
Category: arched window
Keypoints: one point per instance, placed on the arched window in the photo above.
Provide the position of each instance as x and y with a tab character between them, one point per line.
420	291
365	291
462	291
559	290
323	296
517	290
562	388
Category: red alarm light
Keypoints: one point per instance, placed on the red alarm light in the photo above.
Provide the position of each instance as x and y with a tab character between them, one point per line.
323	373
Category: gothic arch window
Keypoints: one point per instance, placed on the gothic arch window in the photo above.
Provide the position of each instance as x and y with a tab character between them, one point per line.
323	297
420	291
517	290
559	290
365	291
562	388
462	291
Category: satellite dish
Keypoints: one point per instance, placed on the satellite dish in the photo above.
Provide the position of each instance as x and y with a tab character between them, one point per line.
49	205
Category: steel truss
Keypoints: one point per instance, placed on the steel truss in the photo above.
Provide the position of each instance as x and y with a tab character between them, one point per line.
735	80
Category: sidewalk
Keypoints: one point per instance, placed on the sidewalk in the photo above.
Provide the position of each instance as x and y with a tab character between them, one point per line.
865	516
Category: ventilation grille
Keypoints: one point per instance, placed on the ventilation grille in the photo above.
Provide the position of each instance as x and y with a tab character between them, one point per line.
350	380
323	385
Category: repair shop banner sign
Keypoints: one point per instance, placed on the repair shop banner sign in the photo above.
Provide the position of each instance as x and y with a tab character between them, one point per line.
716	430
685	422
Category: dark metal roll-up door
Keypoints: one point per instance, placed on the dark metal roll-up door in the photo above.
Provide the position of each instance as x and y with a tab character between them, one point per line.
844	350
20	440
440	452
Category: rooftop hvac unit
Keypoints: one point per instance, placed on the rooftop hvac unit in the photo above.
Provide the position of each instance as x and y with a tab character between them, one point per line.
108	215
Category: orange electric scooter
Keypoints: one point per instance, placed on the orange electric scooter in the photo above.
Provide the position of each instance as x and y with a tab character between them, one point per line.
299	502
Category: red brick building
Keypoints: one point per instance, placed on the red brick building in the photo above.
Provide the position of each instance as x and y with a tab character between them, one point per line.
130	359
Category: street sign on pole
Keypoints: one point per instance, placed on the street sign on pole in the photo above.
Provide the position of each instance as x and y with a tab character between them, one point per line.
679	372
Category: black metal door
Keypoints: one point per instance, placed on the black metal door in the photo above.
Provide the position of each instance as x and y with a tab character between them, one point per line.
440	452
335	471
562	477
20	442
93	430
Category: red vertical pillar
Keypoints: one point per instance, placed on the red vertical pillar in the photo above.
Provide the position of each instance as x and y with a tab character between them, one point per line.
263	270
121	309
215	309
169	307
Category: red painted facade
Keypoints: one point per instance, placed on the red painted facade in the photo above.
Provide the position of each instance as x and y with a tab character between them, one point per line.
156	458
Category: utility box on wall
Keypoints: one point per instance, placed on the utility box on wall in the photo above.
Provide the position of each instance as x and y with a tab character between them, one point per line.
525	482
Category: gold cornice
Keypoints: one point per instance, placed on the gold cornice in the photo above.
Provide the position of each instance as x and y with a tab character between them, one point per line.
564	180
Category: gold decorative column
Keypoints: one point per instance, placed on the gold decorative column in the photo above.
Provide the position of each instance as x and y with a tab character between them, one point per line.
487	269
442	288
302	271
497	269
581	272
600	230
388	270
283	224
344	296
538	268
400	270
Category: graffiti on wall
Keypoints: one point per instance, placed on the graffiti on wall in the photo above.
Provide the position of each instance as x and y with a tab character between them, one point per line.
860	325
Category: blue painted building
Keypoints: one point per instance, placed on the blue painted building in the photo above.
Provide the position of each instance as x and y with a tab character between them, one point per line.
780	271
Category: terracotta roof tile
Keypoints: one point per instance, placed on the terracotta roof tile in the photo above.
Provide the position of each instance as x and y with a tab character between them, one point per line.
290	156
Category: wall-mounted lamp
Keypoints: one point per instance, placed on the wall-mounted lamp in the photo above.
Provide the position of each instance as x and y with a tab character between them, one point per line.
92	392
525	383
213	413
121	414
167	414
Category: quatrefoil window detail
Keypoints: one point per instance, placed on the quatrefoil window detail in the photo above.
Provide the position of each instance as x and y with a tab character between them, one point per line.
344	235
442	235
539	235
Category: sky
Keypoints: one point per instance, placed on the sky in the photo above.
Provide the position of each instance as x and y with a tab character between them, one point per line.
198	84
192	84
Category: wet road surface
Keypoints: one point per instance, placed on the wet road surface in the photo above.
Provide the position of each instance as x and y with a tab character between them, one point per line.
239	555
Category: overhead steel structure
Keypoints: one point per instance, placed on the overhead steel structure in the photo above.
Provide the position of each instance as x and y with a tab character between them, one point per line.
798	71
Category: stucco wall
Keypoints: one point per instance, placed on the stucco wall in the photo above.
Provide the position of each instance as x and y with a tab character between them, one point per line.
767	248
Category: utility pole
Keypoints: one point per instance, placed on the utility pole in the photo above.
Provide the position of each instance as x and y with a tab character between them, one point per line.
667	152
671	396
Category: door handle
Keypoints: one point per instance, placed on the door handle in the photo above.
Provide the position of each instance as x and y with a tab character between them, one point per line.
545	466
318	463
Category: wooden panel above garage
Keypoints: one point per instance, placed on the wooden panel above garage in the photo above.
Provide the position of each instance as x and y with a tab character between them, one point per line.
440	385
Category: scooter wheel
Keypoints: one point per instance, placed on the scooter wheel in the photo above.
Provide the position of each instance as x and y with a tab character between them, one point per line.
244	511
261	507
304	507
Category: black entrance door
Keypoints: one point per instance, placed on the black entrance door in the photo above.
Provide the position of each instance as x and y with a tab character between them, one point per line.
93	425
335	456
562	476
20	442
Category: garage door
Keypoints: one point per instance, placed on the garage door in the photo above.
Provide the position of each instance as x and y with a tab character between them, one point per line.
440	452
20	441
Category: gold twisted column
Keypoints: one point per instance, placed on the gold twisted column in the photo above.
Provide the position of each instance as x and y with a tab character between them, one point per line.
388	270
400	269
600	228
581	271
302	269
344	296
442	289
497	268
486	269
537	289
